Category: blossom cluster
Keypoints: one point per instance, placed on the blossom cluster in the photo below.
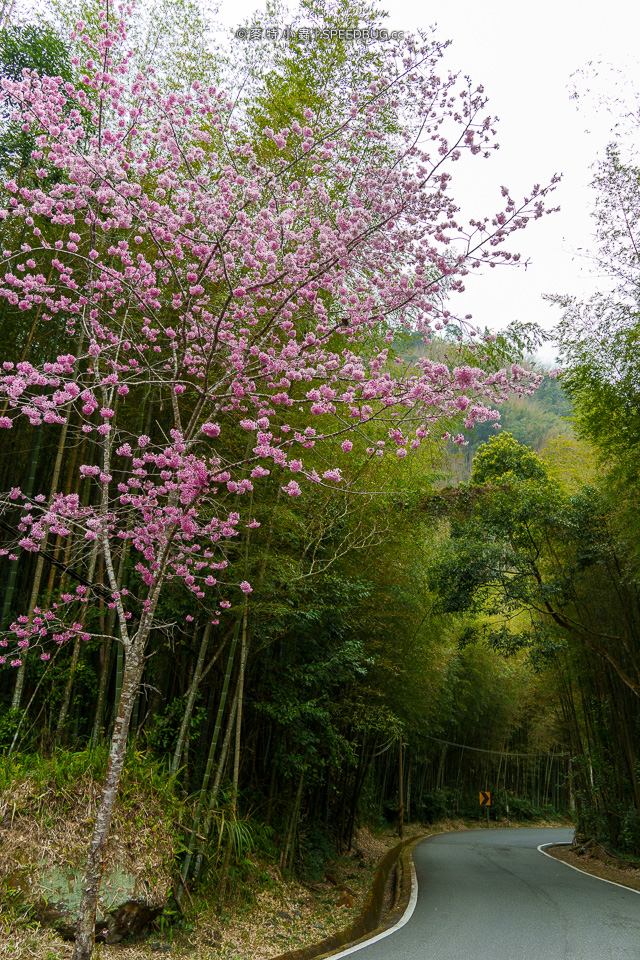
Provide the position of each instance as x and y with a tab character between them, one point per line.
250	287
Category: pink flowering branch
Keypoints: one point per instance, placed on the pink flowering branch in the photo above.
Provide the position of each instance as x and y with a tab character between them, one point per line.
254	289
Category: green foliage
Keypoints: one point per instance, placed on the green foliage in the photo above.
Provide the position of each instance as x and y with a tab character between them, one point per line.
571	463
536	422
629	837
503	458
33	46
57	771
27	46
438	805
174	39
66	767
142	774
9	721
462	567
599	345
162	737
517	340
323	76
519	548
316	848
321	657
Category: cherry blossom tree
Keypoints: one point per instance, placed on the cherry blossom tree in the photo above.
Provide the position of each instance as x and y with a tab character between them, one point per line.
252	288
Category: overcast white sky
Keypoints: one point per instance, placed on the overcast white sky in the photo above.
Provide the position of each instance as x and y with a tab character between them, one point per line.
524	55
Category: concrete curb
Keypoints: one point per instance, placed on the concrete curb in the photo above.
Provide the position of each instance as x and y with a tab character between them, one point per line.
396	866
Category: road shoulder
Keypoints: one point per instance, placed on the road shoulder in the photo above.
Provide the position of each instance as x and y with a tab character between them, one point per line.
597	862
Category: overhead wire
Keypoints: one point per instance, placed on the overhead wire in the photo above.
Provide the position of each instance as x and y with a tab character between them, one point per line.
497	753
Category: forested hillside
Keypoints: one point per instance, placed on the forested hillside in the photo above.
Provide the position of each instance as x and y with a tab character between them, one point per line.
275	539
541	421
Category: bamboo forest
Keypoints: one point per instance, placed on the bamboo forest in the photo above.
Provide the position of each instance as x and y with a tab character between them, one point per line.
296	560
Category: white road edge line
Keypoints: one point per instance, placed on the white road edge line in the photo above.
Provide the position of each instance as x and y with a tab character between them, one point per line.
406	916
578	870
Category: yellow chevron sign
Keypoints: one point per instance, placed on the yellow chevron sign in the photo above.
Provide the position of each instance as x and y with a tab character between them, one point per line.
485	798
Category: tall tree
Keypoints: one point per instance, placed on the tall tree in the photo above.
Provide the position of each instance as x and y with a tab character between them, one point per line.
250	293
598	340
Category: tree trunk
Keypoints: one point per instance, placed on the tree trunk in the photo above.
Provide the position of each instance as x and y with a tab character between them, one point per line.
358	781
85	929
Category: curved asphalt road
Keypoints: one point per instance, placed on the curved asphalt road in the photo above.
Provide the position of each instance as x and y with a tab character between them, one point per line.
491	895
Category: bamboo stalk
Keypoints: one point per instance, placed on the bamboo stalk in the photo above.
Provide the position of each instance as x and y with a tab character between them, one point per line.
13	571
286	861
186	864
64	706
224	752
191	699
35	590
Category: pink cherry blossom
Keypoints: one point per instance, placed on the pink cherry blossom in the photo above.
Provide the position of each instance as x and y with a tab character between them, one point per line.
239	291
292	488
